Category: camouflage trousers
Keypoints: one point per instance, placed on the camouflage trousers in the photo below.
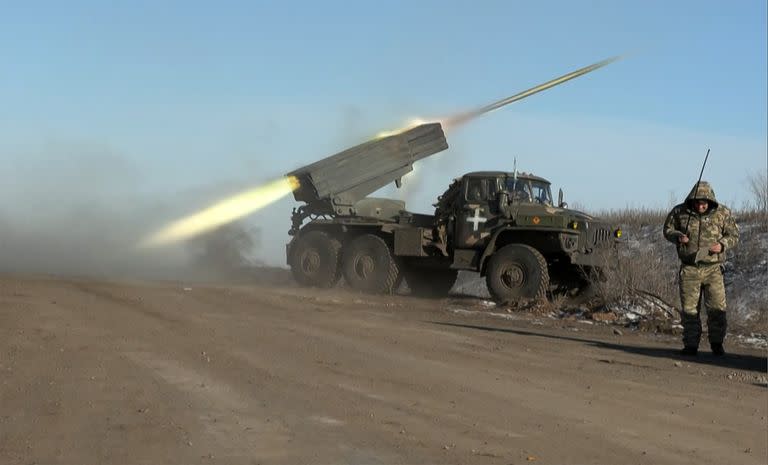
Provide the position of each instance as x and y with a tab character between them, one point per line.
696	282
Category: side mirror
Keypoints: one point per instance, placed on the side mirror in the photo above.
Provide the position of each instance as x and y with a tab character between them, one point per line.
560	202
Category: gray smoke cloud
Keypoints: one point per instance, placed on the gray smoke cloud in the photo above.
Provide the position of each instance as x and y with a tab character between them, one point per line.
80	210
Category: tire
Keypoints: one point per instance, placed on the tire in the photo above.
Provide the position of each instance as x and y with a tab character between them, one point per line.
430	283
369	266
315	260
517	271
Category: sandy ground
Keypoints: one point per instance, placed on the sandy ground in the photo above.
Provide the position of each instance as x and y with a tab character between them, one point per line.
153	373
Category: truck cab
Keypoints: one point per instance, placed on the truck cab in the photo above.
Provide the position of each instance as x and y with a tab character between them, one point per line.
493	198
507	227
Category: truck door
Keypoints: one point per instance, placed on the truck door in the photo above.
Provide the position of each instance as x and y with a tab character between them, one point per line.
472	219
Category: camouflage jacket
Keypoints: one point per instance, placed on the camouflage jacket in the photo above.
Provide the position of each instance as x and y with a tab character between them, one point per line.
703	230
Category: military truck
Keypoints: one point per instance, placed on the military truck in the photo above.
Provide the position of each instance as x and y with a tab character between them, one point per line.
503	225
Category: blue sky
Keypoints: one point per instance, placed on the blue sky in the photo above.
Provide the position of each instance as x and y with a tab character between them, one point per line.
156	98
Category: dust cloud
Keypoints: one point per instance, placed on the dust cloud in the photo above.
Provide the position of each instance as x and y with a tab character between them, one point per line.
80	211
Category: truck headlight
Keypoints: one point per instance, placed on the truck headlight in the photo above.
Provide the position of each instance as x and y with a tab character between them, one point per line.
617	233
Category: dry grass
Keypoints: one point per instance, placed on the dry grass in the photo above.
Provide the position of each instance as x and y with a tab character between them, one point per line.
753	216
634	217
630	217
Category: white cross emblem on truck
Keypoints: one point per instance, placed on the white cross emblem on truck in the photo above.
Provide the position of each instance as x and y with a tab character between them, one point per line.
477	219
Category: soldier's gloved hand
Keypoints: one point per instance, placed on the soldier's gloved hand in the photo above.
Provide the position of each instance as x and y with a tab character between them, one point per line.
684	239
716	248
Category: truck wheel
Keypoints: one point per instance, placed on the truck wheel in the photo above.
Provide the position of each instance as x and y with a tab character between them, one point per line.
315	259
517	271
430	283
369	266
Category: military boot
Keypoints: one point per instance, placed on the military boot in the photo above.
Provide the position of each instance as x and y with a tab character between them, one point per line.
717	349
691	333
690	350
717	325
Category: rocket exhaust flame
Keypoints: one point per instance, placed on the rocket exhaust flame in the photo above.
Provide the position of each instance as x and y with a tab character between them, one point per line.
224	212
412	123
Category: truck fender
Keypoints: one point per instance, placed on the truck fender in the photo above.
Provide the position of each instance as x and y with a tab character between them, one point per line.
491	247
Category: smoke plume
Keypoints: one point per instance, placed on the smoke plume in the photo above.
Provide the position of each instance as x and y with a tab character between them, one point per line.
80	210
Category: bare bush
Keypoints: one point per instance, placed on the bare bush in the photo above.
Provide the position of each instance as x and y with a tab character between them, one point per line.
637	274
756	210
758	187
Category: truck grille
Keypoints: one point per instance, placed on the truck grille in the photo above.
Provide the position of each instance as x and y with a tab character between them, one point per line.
601	235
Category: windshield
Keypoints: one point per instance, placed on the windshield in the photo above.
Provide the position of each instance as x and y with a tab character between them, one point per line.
528	190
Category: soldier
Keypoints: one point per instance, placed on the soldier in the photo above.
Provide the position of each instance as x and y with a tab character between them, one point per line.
703	231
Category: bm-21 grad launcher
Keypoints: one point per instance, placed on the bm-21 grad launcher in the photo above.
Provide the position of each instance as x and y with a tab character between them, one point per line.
336	185
504	225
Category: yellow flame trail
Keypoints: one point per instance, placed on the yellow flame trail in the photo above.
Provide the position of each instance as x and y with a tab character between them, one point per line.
226	211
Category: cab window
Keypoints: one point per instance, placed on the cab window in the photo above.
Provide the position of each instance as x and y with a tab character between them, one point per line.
541	194
493	188
519	190
477	190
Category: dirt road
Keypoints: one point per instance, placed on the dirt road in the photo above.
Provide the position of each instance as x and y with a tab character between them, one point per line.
154	373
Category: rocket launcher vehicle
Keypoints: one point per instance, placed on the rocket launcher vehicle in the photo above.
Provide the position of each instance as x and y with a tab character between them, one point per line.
337	186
